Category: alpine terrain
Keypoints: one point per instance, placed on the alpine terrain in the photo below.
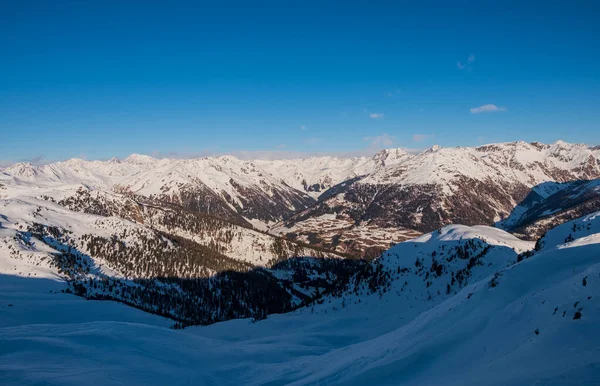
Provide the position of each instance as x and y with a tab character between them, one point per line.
398	268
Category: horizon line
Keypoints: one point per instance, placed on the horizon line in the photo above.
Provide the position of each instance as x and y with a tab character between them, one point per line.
269	155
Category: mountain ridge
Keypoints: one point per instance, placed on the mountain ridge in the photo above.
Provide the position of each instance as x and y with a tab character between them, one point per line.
354	205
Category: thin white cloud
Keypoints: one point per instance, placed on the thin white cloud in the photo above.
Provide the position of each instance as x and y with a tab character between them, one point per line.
466	65
302	127
489	108
269	155
394	93
312	140
421	137
39	160
376	115
381	141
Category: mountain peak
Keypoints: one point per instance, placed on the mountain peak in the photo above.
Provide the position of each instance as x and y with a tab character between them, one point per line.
389	156
560	142
21	169
139	159
114	160
432	149
228	158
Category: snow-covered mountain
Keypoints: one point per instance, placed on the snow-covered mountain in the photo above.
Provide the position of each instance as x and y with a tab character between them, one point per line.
458	306
224	186
256	191
354	205
160	257
316	175
440	186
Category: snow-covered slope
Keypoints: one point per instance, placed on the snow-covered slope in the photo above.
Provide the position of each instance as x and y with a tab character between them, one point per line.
162	258
578	232
503	322
551	204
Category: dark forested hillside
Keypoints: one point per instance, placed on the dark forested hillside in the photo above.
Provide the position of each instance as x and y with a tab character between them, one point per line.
183	280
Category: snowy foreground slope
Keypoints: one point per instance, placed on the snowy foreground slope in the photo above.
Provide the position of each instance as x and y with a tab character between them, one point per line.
459	306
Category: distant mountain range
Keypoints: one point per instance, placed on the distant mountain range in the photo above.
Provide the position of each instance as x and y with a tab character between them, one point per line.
440	186
349	205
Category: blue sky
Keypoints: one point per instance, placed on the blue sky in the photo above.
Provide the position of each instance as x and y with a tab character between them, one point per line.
98	79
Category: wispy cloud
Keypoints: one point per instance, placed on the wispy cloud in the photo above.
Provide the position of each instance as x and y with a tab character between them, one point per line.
489	108
270	155
312	140
394	93
303	128
376	115
381	141
421	137
35	161
466	65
